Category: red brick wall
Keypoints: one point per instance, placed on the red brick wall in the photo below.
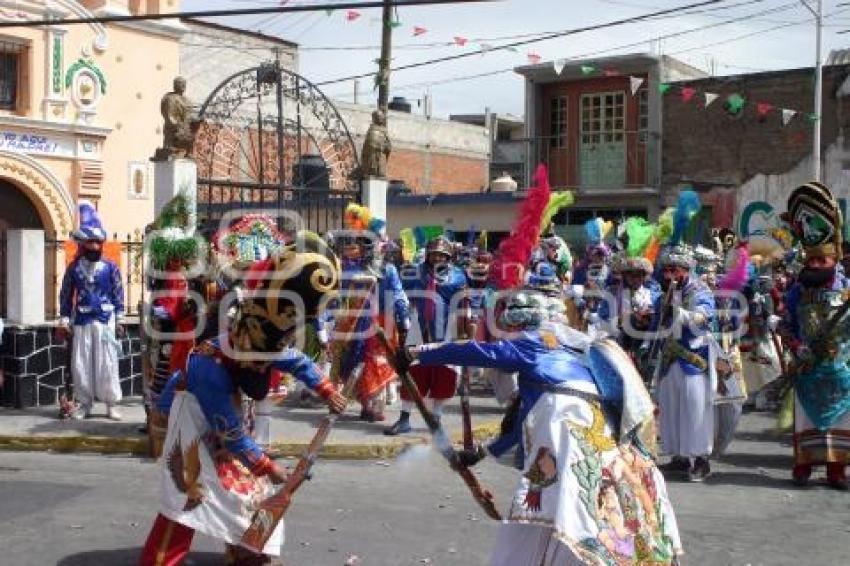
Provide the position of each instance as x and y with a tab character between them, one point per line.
709	147
437	172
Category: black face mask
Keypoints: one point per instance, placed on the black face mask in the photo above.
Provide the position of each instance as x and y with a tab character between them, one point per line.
665	283
811	277
92	255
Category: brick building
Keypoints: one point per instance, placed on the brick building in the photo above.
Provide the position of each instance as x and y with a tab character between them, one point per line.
599	135
746	164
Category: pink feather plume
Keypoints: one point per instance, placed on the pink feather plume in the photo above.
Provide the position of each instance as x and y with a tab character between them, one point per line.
508	269
737	276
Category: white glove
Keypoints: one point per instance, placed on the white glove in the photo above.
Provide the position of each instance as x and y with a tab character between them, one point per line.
773	322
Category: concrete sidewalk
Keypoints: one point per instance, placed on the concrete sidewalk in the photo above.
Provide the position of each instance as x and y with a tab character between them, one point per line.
39	429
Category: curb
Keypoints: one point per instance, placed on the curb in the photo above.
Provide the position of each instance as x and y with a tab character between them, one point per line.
138	446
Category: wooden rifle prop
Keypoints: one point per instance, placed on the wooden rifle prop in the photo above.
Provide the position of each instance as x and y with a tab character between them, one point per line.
442	441
790	374
271	511
467	332
663	321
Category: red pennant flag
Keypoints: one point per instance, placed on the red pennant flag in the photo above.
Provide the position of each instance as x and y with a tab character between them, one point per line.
688	93
352	15
418	31
461	41
611	72
762	108
533	58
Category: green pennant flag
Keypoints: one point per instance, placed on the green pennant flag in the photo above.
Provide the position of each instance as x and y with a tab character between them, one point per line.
735	103
587	69
329	12
664	88
813	117
395	24
511	49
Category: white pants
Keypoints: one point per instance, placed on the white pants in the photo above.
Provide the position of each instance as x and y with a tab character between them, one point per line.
94	364
687	414
530	545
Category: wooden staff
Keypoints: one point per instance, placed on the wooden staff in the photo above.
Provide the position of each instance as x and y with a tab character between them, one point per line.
483	496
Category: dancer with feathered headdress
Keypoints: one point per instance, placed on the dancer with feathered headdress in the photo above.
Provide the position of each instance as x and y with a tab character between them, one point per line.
684	373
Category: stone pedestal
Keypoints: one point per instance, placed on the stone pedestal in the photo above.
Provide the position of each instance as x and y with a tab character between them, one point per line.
172	177
25	276
373	192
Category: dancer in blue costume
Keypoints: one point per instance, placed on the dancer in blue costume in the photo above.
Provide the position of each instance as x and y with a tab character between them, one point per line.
576	420
822	339
91	304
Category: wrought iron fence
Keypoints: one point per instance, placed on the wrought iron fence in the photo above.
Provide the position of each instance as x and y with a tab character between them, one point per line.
131	265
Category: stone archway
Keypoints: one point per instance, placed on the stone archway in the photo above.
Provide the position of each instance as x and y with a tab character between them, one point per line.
46	192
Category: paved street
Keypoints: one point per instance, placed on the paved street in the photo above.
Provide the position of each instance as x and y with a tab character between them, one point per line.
77	510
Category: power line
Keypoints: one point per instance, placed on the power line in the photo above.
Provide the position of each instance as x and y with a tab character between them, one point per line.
575	31
615	48
227	13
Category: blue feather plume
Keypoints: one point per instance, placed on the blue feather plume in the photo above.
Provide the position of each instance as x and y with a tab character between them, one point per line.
689	204
593	230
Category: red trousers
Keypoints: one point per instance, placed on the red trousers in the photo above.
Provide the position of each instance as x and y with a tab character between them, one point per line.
436	382
169	542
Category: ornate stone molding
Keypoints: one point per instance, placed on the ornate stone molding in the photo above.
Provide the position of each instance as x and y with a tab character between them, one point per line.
44	188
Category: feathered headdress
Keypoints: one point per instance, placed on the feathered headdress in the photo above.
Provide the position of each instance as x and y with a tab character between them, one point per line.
678	252
638	234
408	244
738	273
596	230
688	206
91	227
357	217
557	201
508	269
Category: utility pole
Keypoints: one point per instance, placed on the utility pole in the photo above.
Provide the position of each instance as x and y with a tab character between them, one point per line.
386	56
817	11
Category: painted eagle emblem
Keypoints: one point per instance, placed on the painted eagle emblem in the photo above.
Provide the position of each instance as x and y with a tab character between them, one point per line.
185	469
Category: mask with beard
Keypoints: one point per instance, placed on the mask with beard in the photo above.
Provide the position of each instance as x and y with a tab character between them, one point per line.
816	277
92	255
680	283
598	273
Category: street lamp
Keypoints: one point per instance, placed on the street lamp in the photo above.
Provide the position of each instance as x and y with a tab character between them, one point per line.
817	11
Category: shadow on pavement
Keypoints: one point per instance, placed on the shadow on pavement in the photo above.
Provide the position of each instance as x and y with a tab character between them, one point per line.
746	479
130	557
752	461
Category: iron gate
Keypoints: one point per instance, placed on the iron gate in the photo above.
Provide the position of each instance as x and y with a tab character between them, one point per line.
267	139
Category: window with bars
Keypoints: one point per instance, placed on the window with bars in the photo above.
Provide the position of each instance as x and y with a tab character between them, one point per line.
9	69
603	118
558	122
643	114
14	75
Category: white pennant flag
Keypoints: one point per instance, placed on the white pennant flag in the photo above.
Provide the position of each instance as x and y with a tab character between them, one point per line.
787	116
636	83
710	97
558	65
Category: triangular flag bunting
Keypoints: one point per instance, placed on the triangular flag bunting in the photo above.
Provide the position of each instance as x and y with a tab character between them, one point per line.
485	47
588	69
636	83
352	15
710	97
558	65
533	58
663	88
417	31
688	93
787	116
460	41
396	24
329	11
611	72
735	103
813	117
512	49
762	108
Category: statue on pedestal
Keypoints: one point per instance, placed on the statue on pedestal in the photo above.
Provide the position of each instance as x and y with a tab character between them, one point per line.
376	148
177	132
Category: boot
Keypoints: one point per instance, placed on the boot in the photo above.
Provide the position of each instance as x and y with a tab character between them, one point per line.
700	470
800	474
677	464
835	476
401	426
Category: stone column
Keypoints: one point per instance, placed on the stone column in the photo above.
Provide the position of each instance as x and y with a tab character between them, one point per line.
172	177
25	276
373	192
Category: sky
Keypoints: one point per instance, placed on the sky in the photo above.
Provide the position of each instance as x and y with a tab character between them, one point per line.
768	35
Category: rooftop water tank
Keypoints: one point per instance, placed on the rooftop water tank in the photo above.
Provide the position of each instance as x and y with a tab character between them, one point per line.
503	184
